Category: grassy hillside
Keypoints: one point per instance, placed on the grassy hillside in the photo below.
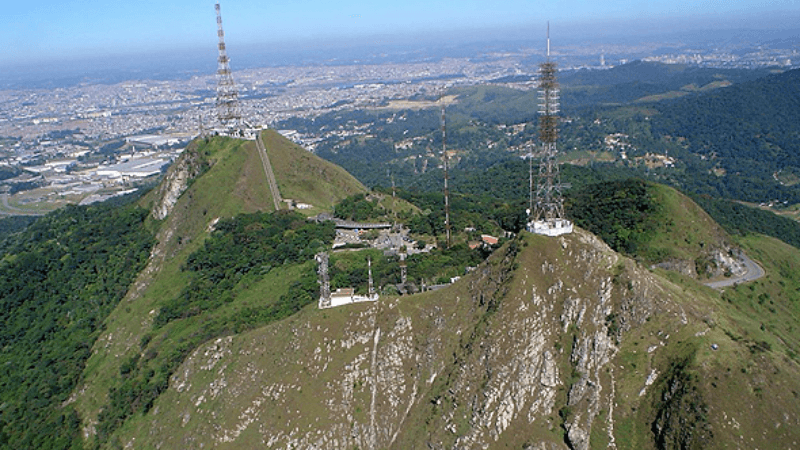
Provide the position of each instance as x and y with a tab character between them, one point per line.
132	361
654	223
551	341
304	177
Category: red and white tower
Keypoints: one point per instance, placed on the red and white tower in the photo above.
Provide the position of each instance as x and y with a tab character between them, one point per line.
228	112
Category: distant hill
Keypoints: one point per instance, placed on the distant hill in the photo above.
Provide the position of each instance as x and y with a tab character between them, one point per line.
645	80
750	129
671	76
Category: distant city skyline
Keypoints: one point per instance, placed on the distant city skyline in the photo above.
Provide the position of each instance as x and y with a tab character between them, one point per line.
49	30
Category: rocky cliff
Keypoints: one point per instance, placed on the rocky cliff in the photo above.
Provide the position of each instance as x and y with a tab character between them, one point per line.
186	168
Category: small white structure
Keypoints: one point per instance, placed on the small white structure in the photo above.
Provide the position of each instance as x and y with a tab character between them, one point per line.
553	227
346	296
133	168
342	296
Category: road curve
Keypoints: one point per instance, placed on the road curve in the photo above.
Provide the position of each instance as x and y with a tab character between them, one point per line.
754	272
13	211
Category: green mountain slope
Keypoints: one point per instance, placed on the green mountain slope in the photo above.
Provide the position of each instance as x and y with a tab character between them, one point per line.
304	177
61	277
214	180
656	224
551	343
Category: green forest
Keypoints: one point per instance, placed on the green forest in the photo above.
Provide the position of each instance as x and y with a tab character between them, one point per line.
240	251
247	245
61	277
731	131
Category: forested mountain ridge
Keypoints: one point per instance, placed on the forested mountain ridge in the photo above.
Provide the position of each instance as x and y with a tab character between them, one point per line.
61	278
751	128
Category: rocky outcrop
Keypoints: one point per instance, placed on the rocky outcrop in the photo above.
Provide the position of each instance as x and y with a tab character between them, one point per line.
188	166
713	263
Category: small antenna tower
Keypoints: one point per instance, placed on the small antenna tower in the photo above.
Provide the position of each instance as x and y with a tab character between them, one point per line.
324	280
227	95
371	291
548	209
446	177
403	269
394	200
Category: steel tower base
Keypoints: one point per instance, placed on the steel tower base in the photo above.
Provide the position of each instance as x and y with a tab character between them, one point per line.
552	227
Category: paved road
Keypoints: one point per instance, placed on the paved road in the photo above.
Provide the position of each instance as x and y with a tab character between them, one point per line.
754	272
12	211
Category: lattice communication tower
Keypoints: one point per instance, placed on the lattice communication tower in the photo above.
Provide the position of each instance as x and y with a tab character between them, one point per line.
227	95
324	280
548	203
445	163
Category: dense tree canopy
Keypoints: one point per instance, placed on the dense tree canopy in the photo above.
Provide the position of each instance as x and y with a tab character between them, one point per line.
60	278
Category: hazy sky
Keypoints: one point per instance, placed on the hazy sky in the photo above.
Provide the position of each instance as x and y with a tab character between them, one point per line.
63	29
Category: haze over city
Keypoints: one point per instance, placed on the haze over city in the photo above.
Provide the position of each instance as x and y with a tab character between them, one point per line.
59	32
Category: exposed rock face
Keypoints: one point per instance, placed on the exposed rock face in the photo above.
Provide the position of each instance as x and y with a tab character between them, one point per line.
727	260
187	167
715	262
487	362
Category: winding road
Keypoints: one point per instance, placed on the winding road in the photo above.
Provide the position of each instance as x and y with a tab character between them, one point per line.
754	272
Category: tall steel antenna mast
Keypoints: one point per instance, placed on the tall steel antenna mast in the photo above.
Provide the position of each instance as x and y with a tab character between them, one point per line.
227	95
548	210
530	179
445	164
